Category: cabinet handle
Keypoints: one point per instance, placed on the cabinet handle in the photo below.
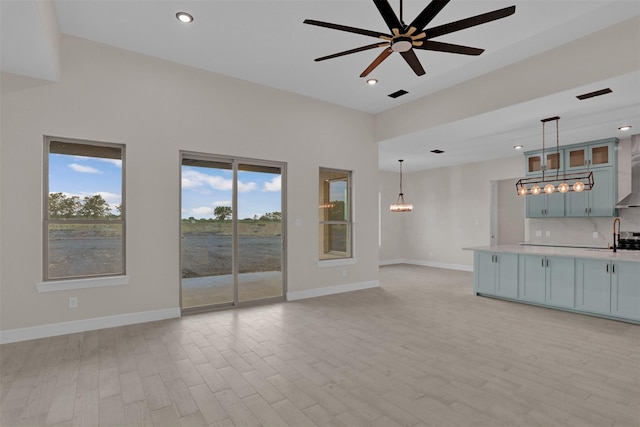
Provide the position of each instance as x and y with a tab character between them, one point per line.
585	210
613	268
542	263
547	263
607	268
497	259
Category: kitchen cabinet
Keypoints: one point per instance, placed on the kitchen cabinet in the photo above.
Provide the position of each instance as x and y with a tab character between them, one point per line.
599	157
496	274
545	205
625	289
554	161
590	155
548	280
599	201
608	287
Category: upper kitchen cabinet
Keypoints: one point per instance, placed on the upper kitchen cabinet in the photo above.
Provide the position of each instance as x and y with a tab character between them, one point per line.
590	155
550	162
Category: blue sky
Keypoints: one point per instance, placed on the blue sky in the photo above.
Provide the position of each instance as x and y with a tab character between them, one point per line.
86	176
203	189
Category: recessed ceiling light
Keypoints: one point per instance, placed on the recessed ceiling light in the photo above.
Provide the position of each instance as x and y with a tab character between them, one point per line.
623	128
184	17
372	82
518	147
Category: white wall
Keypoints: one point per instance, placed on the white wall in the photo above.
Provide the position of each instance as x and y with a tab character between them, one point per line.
452	208
157	108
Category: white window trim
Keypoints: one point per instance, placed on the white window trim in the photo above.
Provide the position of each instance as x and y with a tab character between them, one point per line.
90	282
336	262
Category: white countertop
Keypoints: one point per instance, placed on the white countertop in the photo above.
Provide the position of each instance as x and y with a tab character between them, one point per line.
605	254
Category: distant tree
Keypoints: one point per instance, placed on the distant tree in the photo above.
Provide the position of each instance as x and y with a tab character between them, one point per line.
55	204
119	209
222	212
271	216
94	207
61	206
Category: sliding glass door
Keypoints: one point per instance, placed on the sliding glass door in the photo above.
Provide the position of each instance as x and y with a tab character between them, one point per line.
232	236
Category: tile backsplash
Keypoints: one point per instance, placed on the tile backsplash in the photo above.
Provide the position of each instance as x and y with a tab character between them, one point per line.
596	232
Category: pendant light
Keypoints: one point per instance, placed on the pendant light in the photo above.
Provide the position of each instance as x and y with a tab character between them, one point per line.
400	205
575	182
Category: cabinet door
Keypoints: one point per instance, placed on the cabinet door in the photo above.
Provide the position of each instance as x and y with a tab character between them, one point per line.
602	196
536	205
625	289
555	205
576	158
577	204
560	281
601	154
507	280
485	272
531	283
593	285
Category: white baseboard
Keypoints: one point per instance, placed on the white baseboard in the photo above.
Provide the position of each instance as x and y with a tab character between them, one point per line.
329	290
55	329
460	267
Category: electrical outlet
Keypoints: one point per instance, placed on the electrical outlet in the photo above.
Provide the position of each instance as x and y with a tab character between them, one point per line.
538	233
547	233
595	234
73	302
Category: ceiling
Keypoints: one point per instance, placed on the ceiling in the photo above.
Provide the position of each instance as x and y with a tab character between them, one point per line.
266	42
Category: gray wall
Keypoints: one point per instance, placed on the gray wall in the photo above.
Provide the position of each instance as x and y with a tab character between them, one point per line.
158	108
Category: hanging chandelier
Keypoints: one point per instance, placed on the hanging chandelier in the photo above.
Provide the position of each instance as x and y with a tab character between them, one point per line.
548	184
400	205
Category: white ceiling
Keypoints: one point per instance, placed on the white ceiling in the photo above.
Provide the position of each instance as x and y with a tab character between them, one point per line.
266	42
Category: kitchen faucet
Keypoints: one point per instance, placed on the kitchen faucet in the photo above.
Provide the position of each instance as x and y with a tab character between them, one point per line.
615	220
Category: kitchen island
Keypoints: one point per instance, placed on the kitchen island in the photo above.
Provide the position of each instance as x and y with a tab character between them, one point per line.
597	282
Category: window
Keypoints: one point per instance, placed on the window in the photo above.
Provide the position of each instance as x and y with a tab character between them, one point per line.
84	215
335	214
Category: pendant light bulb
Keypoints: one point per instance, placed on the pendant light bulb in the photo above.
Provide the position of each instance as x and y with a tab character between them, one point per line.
563	187
549	188
535	189
522	190
578	186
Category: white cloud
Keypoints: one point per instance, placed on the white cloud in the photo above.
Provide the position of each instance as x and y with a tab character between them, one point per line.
192	179
203	210
274	185
111	198
115	162
222	203
83	169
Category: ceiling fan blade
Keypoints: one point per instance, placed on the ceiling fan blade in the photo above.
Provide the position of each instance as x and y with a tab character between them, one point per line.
350	51
345	28
412	60
388	14
469	22
383	55
428	13
448	47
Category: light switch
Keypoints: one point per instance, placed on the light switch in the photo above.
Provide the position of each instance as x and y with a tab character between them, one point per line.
538	233
595	234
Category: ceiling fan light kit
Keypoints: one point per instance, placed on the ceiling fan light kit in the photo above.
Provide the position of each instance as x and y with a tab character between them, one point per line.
404	39
563	183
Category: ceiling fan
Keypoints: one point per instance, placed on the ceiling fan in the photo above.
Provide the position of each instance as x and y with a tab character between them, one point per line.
405	38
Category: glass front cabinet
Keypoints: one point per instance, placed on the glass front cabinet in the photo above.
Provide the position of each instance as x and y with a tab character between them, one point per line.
599	157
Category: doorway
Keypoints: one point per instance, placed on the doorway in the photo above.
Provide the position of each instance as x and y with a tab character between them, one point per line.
232	245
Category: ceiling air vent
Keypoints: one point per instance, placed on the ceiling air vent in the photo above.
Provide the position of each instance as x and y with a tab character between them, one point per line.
437	151
398	93
592	94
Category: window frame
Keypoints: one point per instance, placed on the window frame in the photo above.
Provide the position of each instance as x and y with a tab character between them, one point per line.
348	222
89	280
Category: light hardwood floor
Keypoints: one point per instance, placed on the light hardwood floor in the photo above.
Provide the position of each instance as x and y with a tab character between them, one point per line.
419	351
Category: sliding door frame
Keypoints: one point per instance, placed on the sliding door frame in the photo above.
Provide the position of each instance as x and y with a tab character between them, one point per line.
235	162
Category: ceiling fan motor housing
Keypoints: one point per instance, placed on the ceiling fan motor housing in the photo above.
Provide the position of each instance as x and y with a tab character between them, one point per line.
401	44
